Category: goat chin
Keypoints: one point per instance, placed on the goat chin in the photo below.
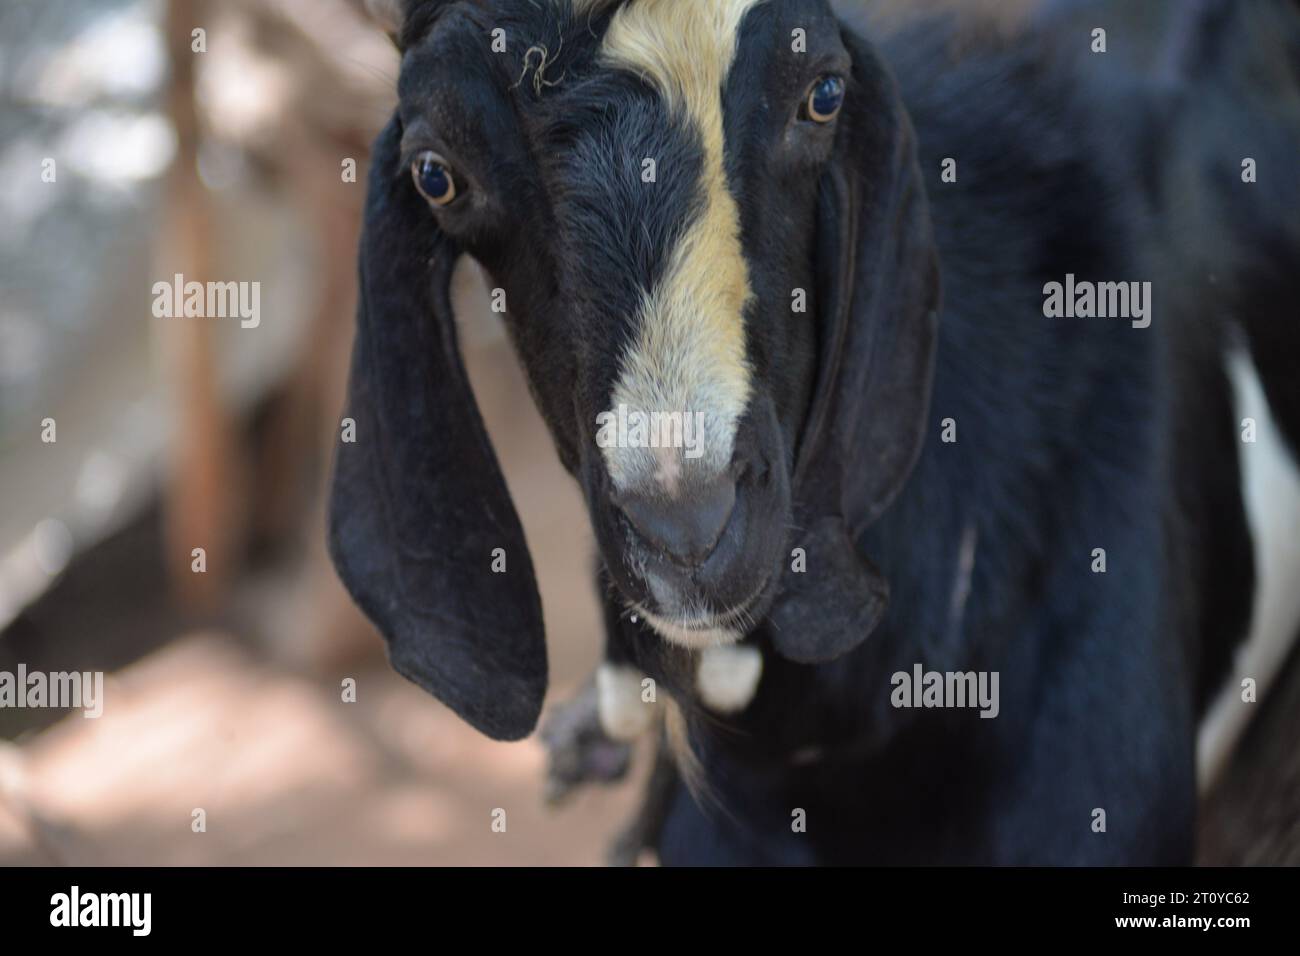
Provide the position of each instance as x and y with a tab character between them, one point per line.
692	638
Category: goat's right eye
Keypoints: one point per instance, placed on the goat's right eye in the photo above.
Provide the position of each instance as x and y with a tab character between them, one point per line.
433	178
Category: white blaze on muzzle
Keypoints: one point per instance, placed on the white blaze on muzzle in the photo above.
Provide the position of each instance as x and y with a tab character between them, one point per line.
688	355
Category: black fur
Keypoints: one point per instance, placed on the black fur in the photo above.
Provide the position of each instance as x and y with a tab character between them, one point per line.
419	503
1072	434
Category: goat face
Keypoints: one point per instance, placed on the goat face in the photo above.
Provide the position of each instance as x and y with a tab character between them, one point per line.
665	193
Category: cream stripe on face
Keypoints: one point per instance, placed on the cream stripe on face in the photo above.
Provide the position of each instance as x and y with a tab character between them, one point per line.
689	352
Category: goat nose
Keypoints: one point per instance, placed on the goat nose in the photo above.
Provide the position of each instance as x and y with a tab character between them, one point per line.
687	528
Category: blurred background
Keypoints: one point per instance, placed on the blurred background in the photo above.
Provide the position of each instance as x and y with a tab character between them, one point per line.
223	688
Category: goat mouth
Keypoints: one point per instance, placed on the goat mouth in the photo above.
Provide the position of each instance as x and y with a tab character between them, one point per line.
706	630
691	634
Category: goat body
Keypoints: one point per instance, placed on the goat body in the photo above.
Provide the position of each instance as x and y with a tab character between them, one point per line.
1072	435
942	466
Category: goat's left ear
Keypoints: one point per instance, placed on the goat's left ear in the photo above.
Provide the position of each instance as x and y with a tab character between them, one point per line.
879	275
422	529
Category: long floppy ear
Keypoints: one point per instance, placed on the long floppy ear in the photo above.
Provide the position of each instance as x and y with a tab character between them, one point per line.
879	275
422	529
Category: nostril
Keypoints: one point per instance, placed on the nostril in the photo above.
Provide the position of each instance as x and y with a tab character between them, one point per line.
687	528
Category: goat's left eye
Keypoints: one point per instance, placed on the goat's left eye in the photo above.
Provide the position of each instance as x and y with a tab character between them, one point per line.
433	178
825	99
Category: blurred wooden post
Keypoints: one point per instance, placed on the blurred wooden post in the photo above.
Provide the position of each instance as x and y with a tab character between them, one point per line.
199	498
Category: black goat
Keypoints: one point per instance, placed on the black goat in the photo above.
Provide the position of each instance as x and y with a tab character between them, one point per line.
718	211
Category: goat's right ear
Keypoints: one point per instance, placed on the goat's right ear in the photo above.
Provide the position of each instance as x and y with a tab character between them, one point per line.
422	529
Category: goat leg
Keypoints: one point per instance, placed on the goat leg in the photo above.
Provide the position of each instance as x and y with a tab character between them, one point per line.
578	749
643	830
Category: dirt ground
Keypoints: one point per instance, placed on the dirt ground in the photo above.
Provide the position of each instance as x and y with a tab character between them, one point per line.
285	773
